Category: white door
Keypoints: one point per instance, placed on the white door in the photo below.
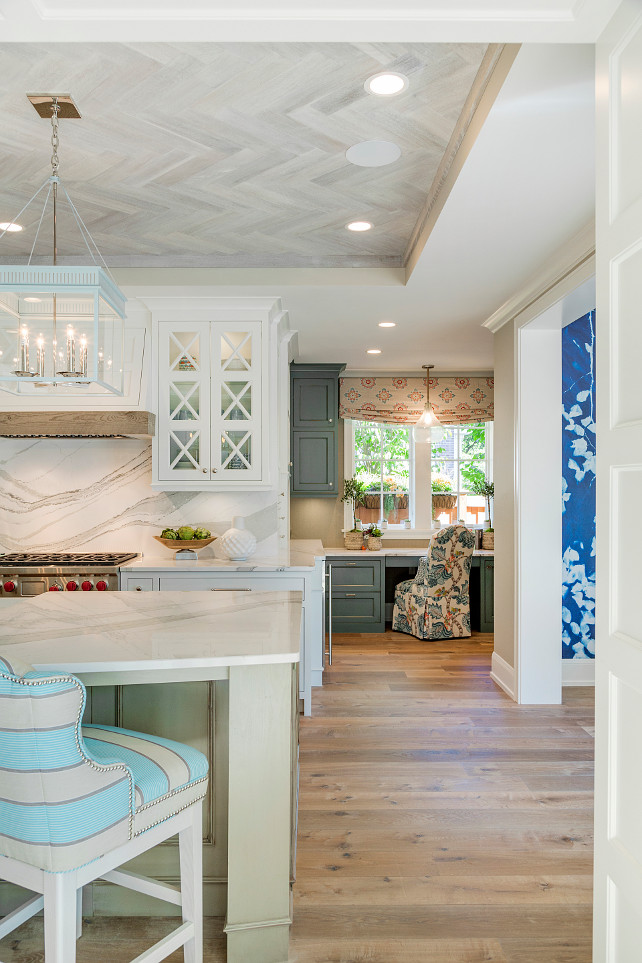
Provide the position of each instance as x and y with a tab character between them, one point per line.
618	879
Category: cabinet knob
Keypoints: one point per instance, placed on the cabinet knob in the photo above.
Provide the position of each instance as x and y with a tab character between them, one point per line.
139	588
205	471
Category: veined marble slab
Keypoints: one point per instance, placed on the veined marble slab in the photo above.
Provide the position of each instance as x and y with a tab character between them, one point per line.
128	632
300	554
67	494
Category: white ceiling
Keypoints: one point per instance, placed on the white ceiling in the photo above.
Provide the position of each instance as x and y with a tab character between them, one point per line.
419	21
526	188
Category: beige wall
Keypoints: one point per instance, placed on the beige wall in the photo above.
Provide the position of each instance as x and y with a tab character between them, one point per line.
504	501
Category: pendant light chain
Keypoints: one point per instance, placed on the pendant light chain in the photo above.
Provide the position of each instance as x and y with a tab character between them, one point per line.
55	163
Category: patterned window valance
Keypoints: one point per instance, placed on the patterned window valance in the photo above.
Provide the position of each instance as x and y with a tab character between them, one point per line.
455	401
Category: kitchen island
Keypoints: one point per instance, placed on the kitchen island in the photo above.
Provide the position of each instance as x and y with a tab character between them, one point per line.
214	670
299	567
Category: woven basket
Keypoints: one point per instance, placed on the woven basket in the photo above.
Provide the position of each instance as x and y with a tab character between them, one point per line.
488	541
374	543
353	540
442	501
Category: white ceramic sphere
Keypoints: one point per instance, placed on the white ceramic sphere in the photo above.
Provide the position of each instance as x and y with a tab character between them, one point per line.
237	543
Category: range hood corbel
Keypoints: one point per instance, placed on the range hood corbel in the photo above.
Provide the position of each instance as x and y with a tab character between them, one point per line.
77	424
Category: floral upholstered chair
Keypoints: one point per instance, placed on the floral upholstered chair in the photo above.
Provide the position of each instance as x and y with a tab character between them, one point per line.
435	604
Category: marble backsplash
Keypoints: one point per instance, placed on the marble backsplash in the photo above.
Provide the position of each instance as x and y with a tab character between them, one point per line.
96	495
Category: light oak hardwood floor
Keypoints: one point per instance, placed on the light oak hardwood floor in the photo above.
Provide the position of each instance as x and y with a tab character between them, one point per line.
438	821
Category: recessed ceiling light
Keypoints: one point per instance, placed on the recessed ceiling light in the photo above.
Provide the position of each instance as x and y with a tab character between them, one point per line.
373	153
10	226
359	226
386	84
373	351
387	324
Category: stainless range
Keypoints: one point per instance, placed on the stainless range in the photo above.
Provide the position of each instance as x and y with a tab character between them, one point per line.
25	574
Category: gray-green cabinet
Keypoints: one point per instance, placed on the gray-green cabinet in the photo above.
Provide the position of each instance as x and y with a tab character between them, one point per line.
356	594
314	449
361	590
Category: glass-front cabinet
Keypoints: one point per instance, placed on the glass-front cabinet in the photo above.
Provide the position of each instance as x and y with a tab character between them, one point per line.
210	403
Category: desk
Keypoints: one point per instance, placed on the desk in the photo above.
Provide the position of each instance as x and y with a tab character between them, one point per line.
362	585
248	645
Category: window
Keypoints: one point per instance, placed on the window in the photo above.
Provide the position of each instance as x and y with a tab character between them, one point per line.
383	460
457	460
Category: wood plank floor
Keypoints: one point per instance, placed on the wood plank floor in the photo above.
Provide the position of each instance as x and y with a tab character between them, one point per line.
438	821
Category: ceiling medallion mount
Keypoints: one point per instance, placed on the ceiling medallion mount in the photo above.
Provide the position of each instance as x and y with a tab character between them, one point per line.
74	314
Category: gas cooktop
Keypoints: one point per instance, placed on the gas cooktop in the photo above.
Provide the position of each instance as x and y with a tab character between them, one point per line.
58	559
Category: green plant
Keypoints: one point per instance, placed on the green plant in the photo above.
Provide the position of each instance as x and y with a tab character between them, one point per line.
354	492
374	531
480	486
439	484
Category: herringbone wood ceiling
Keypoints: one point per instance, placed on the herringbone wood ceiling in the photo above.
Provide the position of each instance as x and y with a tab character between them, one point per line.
230	154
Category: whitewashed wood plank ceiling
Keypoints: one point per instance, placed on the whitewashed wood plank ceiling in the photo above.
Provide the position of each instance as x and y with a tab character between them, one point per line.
230	154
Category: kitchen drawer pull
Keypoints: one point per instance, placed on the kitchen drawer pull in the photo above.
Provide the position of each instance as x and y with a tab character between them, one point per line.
230	590
351	595
351	564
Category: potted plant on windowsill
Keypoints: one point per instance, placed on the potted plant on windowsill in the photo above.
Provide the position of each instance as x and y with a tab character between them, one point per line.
353	492
443	499
372	538
487	490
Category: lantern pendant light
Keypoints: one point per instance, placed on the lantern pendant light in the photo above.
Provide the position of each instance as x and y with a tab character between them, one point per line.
424	430
61	326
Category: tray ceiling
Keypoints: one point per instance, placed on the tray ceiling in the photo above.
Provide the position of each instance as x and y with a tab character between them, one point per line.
232	154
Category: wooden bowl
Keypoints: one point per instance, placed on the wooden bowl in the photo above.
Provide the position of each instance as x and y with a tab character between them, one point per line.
178	544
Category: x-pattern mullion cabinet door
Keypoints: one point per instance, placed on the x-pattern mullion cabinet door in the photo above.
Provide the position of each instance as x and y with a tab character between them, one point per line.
236	372
184	443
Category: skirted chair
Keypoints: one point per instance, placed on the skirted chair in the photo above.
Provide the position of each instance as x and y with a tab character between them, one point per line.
78	801
436	604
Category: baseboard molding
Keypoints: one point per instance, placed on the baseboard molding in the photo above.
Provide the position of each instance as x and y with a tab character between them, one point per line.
503	674
578	672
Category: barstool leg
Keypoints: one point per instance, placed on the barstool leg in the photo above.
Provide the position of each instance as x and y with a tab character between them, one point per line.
190	841
79	912
60	917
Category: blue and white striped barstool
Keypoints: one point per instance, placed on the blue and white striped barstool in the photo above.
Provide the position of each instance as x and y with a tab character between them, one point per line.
76	802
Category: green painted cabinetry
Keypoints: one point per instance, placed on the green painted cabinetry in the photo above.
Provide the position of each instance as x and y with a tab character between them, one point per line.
355	594
314	413
361	591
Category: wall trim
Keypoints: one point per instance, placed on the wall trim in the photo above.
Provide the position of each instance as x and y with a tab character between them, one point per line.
578	251
504	675
578	672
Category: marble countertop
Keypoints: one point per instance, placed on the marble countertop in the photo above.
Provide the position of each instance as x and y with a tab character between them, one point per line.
128	631
301	554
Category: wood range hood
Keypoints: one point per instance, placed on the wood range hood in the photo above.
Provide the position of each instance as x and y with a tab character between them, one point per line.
77	424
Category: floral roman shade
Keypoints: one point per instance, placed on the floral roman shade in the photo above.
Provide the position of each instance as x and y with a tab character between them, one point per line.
400	401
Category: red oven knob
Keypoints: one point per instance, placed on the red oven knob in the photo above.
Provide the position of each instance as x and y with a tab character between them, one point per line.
9	586
101	586
54	588
71	586
86	586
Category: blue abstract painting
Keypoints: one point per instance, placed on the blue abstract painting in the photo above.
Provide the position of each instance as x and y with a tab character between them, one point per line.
578	483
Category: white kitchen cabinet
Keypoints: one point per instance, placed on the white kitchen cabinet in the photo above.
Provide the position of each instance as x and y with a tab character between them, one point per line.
215	364
210	402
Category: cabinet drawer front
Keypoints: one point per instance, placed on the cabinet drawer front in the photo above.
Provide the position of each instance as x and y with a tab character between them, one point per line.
190	582
361	575
139	584
356	608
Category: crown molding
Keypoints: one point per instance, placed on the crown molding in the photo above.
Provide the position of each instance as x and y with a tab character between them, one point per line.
567	259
